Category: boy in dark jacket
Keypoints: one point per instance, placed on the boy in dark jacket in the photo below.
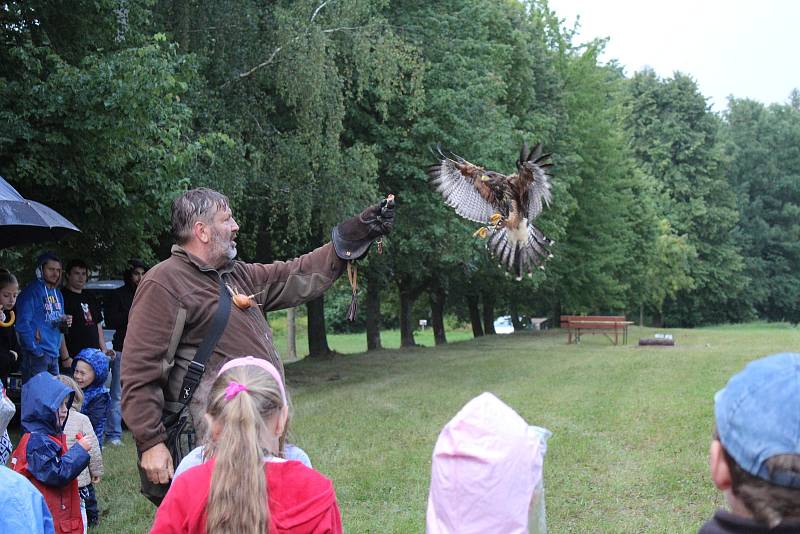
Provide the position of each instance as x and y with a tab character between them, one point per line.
42	455
116	315
755	454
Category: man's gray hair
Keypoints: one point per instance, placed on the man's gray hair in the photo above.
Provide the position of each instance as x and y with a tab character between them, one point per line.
199	204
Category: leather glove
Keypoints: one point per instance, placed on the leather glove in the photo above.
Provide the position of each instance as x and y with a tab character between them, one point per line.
351	238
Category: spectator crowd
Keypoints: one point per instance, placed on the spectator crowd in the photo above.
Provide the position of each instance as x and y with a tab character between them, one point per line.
202	390
51	335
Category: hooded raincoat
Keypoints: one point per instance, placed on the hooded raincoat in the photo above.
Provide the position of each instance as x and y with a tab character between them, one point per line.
487	472
96	396
22	507
42	454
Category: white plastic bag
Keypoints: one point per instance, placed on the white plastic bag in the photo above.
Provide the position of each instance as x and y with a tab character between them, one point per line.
537	520
7	411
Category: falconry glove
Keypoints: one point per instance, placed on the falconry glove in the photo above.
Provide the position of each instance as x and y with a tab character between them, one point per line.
351	238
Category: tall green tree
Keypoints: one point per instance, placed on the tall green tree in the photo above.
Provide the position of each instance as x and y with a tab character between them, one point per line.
280	79
675	140
762	144
94	125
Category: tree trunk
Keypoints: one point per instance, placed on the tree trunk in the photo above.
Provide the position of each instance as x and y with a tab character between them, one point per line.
406	324
475	315
291	333
373	313
488	314
641	314
658	319
556	315
437	298
317	337
515	319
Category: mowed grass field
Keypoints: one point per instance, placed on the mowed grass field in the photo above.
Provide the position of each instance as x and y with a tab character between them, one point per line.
631	426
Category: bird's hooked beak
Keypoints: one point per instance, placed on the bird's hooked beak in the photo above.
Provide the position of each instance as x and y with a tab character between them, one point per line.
485	178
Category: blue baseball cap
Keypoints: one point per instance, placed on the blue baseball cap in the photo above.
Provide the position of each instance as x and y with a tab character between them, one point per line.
758	416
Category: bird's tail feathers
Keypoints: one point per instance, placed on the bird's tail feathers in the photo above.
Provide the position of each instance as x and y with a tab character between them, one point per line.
516	257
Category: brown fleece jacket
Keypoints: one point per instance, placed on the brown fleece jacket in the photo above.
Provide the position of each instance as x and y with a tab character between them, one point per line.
181	291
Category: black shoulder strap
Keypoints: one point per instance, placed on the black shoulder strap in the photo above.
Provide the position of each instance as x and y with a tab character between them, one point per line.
198	366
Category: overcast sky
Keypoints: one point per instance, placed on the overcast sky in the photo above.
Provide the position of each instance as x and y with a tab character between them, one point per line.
750	49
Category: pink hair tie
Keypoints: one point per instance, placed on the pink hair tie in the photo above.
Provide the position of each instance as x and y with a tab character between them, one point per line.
233	389
258	362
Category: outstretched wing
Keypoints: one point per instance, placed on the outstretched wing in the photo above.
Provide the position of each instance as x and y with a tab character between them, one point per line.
460	183
533	170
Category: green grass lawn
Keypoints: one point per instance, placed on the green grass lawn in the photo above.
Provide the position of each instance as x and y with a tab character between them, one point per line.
631	426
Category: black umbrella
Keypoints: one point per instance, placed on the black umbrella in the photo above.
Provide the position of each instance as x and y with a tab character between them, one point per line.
26	221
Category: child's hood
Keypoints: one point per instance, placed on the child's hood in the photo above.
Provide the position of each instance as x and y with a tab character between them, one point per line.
99	363
42	395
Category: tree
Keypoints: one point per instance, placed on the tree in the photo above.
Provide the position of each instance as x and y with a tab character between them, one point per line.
761	145
101	135
280	80
674	138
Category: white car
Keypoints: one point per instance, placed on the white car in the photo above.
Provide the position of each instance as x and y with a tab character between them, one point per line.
503	325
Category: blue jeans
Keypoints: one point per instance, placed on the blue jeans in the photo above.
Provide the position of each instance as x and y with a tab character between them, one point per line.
31	365
114	419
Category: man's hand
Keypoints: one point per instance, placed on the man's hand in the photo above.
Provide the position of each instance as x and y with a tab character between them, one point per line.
380	217
110	354
352	237
157	464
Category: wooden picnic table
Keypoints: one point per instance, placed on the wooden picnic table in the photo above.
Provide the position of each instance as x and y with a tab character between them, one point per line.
597	324
537	322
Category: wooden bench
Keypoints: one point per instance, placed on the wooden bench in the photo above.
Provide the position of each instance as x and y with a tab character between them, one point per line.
596	324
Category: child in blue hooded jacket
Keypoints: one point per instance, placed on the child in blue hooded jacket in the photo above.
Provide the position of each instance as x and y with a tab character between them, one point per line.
42	455
90	370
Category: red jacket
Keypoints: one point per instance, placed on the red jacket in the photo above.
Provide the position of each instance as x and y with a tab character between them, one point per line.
63	501
301	501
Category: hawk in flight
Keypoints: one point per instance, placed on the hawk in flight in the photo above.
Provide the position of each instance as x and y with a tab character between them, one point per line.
507	205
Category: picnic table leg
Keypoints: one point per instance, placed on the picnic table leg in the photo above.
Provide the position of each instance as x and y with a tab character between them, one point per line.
616	335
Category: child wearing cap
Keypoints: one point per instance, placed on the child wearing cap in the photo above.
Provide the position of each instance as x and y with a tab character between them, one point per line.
755	453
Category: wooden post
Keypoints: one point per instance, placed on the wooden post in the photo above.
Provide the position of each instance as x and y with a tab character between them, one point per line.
291	333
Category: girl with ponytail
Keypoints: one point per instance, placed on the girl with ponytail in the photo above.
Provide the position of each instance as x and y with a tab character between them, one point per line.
245	487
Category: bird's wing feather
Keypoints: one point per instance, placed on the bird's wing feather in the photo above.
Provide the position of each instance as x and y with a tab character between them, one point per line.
459	182
534	172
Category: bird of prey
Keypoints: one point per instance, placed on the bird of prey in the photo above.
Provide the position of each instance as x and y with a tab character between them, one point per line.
507	205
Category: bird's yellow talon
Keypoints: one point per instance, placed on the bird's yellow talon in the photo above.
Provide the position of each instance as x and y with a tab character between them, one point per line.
480	232
495	218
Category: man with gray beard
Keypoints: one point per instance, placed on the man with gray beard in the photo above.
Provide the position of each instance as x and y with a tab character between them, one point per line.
177	299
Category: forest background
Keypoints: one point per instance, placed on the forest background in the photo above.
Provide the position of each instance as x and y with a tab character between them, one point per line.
304	112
